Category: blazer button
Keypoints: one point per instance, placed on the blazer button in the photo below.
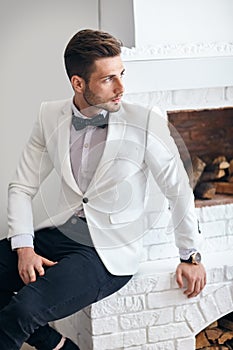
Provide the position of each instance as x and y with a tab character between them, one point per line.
85	200
73	221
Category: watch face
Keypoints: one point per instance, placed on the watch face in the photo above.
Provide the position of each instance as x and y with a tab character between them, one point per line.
196	258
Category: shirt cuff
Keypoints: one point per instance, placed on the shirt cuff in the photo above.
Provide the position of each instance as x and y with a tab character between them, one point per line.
186	253
21	241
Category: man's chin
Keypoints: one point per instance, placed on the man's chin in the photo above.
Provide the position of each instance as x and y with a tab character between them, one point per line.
112	107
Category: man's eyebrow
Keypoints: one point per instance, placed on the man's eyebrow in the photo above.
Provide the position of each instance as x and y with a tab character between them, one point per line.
112	75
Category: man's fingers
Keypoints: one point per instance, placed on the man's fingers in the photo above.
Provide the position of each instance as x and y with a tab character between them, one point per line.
40	270
198	287
47	262
30	264
204	280
28	276
202	283
31	274
179	279
194	289
191	287
25	278
195	276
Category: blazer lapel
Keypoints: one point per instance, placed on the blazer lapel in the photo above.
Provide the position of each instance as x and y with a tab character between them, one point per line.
64	125
116	130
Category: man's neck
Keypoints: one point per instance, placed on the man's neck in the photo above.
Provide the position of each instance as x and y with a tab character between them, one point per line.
85	109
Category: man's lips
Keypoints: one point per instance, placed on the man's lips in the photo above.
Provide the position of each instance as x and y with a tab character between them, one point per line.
116	100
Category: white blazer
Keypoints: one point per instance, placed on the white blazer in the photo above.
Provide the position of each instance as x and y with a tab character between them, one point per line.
138	141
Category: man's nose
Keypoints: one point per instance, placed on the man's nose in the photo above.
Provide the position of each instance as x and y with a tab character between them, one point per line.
119	86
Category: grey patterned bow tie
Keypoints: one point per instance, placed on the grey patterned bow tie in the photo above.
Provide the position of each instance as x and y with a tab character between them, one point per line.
81	123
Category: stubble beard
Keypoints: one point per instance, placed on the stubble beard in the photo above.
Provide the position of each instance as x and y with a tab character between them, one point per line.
99	103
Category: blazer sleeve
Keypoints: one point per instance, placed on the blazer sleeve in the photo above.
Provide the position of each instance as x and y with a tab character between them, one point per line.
33	168
163	160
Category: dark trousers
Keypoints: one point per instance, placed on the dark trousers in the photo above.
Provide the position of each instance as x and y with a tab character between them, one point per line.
79	279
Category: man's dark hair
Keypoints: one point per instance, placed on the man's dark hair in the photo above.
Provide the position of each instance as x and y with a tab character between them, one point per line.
87	46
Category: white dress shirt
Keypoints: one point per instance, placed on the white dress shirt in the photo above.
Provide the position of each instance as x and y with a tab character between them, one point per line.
86	149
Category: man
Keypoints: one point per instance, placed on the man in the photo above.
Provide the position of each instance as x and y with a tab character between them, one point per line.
102	150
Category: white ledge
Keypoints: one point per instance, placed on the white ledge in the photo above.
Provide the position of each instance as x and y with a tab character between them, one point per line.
212	260
185	50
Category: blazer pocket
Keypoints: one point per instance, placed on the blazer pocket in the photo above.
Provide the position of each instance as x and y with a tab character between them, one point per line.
124	217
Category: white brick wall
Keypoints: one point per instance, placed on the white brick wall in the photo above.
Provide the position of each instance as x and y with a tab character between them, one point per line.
185	344
155	319
151	312
216	224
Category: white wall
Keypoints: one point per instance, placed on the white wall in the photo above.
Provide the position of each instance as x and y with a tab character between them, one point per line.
33	35
117	17
159	22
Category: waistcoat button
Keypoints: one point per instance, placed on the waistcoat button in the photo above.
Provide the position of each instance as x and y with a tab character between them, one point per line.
85	200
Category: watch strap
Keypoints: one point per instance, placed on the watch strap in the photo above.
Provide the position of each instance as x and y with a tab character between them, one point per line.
194	258
188	261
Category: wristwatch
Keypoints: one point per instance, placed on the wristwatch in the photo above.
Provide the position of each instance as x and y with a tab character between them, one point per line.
194	258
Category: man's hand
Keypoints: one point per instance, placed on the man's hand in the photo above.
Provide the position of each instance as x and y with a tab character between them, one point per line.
195	276
29	263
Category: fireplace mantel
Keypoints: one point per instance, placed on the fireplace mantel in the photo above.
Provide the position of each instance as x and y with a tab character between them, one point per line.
176	67
172	45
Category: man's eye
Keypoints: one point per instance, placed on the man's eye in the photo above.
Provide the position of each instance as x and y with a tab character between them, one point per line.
108	79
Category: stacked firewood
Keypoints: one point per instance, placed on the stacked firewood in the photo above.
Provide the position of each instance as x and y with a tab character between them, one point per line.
218	336
212	177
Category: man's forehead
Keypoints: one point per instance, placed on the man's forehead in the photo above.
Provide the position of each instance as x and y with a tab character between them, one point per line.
108	65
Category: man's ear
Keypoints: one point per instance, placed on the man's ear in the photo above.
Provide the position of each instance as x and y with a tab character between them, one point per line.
78	83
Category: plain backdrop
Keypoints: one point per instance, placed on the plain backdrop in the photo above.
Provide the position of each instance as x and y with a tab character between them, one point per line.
33	36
